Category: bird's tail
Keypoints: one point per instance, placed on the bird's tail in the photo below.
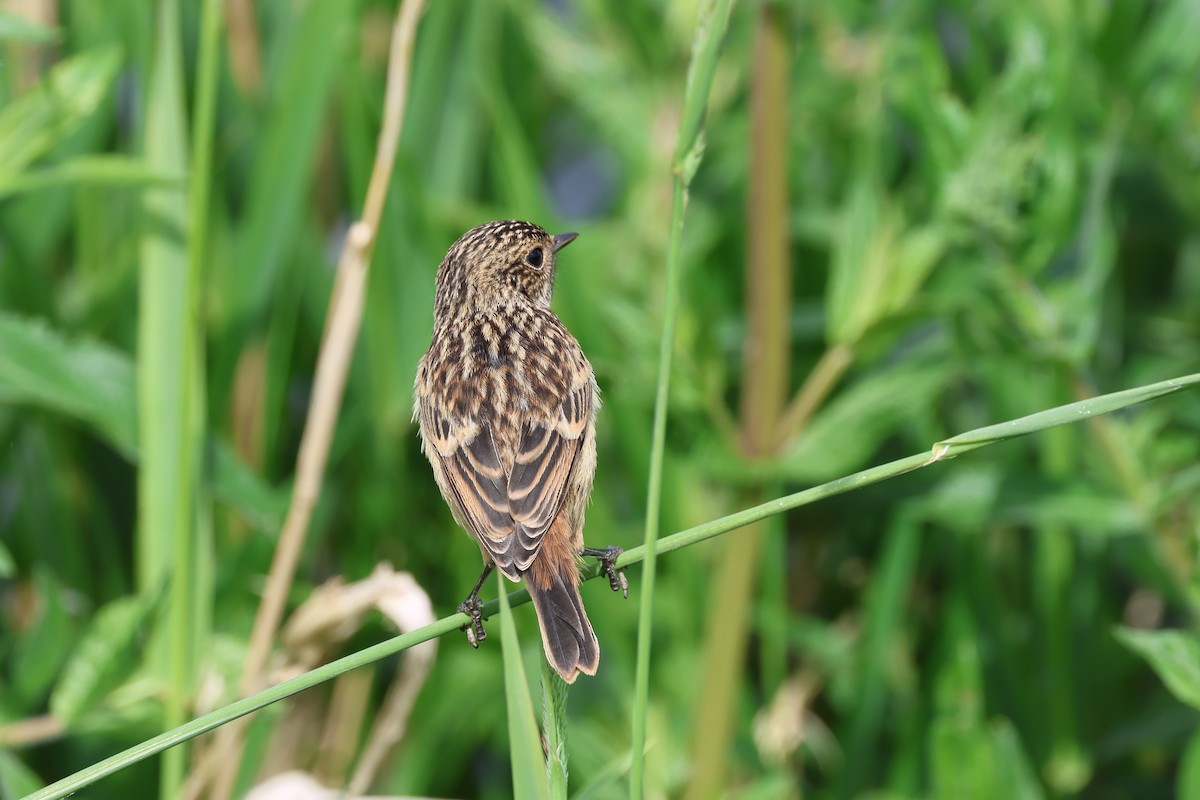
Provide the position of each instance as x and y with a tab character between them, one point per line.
567	635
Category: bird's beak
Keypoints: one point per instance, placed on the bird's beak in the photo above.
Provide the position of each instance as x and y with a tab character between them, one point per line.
561	240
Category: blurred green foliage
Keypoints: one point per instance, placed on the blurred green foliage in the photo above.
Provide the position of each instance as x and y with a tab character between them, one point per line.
994	209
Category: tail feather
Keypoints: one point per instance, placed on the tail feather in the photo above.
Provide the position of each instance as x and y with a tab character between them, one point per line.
567	636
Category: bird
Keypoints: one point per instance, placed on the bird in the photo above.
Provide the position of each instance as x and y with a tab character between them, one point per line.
505	403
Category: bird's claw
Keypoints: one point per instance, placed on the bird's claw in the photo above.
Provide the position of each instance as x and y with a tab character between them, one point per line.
607	556
475	632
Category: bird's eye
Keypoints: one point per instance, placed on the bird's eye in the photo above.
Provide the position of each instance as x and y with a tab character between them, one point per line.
534	259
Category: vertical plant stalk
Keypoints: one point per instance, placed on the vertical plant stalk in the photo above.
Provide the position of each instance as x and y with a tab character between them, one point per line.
171	548
712	20
333	365
766	356
766	353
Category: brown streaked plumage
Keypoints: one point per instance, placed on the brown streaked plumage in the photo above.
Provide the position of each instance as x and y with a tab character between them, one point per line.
506	403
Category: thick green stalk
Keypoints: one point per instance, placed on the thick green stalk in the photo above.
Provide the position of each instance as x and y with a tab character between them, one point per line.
170	392
641	692
941	451
710	29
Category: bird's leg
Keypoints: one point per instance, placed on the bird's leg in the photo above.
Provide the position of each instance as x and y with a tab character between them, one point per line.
474	608
607	556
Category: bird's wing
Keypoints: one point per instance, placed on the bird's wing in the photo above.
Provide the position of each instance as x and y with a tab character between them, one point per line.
471	473
510	514
542	472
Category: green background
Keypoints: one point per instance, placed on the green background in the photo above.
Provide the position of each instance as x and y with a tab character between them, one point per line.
989	209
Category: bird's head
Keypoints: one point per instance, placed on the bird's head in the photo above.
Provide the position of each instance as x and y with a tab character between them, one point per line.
500	262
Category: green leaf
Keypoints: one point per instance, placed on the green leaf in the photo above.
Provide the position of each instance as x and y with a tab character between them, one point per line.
861	258
35	122
981	762
84	379
1016	779
106	171
524	741
38	654
878	265
101	659
92	382
1174	655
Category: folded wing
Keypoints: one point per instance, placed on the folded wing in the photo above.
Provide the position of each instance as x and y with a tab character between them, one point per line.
509	500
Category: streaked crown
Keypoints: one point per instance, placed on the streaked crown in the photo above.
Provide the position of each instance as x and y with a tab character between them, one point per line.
503	262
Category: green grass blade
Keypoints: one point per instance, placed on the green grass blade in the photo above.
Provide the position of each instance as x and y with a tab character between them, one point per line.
1189	769
102	171
885	611
102	657
34	123
170	545
1174	655
524	742
85	380
94	383
1061	415
554	729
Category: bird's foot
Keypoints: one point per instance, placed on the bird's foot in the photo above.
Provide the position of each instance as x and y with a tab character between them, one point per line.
607	556
473	608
